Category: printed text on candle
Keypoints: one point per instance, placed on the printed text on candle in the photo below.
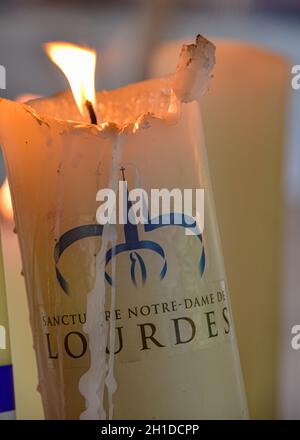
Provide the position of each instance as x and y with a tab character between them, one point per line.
192	322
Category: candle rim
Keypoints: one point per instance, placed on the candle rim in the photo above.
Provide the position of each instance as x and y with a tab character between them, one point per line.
160	85
103	129
124	108
152	99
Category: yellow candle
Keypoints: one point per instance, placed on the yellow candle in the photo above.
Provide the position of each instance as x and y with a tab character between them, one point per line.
153	295
248	106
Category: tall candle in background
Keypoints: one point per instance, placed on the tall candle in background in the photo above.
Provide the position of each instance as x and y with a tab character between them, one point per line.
176	354
27	397
244	117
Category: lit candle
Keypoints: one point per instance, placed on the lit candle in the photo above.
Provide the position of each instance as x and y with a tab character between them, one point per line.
129	321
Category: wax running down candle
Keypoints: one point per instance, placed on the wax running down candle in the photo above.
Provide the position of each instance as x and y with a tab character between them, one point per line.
156	295
92	384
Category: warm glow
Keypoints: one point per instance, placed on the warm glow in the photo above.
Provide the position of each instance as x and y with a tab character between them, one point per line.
78	64
5	201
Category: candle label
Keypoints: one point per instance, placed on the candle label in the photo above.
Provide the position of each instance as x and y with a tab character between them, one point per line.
147	325
167	296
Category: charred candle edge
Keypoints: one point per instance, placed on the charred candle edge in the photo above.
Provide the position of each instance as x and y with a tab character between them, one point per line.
194	69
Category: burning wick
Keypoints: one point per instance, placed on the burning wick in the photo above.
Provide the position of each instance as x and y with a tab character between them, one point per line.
78	64
91	111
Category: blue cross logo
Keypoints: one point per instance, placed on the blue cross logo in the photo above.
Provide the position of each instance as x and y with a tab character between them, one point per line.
132	244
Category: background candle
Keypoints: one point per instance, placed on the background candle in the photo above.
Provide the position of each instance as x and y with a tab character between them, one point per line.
27	397
244	114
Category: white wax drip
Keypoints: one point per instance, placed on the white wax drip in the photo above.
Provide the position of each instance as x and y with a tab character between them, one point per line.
110	380
101	373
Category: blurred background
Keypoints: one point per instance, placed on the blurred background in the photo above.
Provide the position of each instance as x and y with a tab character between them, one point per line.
258	114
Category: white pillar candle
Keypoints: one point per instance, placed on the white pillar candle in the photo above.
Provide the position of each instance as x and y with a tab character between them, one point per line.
169	311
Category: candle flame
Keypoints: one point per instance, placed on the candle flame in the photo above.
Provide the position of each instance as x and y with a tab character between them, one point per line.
78	64
5	201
